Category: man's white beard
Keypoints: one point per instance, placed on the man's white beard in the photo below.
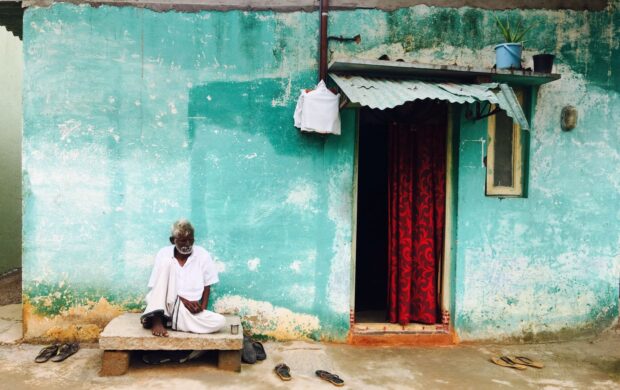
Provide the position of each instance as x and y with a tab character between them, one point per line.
185	250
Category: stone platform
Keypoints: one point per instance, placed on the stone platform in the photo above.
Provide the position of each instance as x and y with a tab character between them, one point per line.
125	334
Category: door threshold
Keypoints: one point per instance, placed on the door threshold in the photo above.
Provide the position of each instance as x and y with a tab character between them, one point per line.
386	327
386	334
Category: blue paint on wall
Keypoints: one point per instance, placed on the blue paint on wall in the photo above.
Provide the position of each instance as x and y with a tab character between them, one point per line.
135	118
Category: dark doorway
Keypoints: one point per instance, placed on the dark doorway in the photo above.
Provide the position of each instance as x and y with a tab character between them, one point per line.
371	274
372	224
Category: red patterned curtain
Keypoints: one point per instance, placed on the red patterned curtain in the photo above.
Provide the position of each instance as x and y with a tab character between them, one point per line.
416	195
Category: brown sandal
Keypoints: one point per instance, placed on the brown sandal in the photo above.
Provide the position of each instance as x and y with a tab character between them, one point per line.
505	361
283	371
46	353
526	361
331	378
65	351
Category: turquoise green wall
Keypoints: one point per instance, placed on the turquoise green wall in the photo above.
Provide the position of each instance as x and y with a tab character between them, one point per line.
134	118
10	146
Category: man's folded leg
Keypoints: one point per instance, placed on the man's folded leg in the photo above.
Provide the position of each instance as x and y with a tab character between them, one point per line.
157	300
204	322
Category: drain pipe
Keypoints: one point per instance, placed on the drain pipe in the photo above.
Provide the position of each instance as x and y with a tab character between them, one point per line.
323	12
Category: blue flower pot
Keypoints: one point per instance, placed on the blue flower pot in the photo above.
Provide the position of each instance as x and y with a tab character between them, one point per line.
508	55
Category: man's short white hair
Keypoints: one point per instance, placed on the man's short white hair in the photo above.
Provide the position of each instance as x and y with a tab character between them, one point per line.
181	228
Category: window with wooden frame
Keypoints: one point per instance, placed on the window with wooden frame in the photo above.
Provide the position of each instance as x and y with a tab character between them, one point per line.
505	163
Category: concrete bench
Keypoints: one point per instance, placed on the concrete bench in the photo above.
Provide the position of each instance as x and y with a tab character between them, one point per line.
125	334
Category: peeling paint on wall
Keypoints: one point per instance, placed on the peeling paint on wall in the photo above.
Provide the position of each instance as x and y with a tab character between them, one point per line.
129	126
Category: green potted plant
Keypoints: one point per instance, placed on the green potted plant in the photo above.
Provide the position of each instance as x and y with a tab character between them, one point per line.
508	54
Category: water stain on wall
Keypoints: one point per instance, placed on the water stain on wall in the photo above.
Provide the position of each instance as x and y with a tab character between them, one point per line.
77	323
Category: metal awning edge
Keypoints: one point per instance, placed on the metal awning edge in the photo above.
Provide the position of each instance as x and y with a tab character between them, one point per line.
371	92
508	102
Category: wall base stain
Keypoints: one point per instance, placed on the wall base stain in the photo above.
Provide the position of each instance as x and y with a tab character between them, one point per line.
78	323
269	321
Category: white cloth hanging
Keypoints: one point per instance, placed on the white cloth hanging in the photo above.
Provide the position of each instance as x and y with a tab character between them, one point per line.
318	111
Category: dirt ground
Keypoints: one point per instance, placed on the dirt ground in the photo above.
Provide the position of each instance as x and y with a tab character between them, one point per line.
583	364
580	364
11	287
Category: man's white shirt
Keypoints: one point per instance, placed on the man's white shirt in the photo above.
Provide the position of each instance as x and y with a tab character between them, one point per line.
198	272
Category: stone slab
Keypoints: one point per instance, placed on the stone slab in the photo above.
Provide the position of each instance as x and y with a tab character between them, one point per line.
125	333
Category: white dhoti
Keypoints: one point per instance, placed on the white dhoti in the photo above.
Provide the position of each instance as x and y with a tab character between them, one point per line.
162	300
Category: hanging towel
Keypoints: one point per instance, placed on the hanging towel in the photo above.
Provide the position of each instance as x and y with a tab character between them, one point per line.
318	111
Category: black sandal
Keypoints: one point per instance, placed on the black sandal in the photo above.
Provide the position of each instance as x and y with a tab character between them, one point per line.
283	371
248	353
260	350
331	378
47	353
65	351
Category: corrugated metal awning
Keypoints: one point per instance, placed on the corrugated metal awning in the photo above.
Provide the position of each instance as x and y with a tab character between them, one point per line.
382	93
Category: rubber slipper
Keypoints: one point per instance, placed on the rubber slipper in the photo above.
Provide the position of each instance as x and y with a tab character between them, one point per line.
283	371
156	358
505	361
331	378
260	350
47	353
65	351
248	353
526	361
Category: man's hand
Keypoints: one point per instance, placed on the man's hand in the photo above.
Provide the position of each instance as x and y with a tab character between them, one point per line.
193	306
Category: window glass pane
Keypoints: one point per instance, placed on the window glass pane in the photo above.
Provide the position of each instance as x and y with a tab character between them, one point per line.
503	164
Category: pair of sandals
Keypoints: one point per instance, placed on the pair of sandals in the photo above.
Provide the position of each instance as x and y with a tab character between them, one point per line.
284	372
516	362
57	352
252	351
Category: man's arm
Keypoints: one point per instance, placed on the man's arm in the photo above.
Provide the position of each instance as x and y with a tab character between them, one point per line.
205	297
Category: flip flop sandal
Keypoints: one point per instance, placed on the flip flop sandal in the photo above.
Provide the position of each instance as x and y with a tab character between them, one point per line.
260	350
283	371
331	378
505	361
526	361
65	351
156	358
47	353
248	353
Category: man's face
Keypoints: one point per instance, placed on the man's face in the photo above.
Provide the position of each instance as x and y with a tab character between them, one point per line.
184	244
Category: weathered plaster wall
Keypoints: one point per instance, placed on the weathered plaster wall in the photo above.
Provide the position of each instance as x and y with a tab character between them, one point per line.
546	266
134	118
309	5
10	147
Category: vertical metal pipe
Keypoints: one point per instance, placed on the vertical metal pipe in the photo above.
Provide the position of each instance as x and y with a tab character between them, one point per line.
323	11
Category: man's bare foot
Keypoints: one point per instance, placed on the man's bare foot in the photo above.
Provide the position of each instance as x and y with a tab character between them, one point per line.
158	328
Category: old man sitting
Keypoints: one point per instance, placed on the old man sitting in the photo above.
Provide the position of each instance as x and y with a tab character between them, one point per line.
180	285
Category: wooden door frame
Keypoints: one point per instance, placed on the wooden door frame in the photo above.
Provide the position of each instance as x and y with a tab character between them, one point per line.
447	271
